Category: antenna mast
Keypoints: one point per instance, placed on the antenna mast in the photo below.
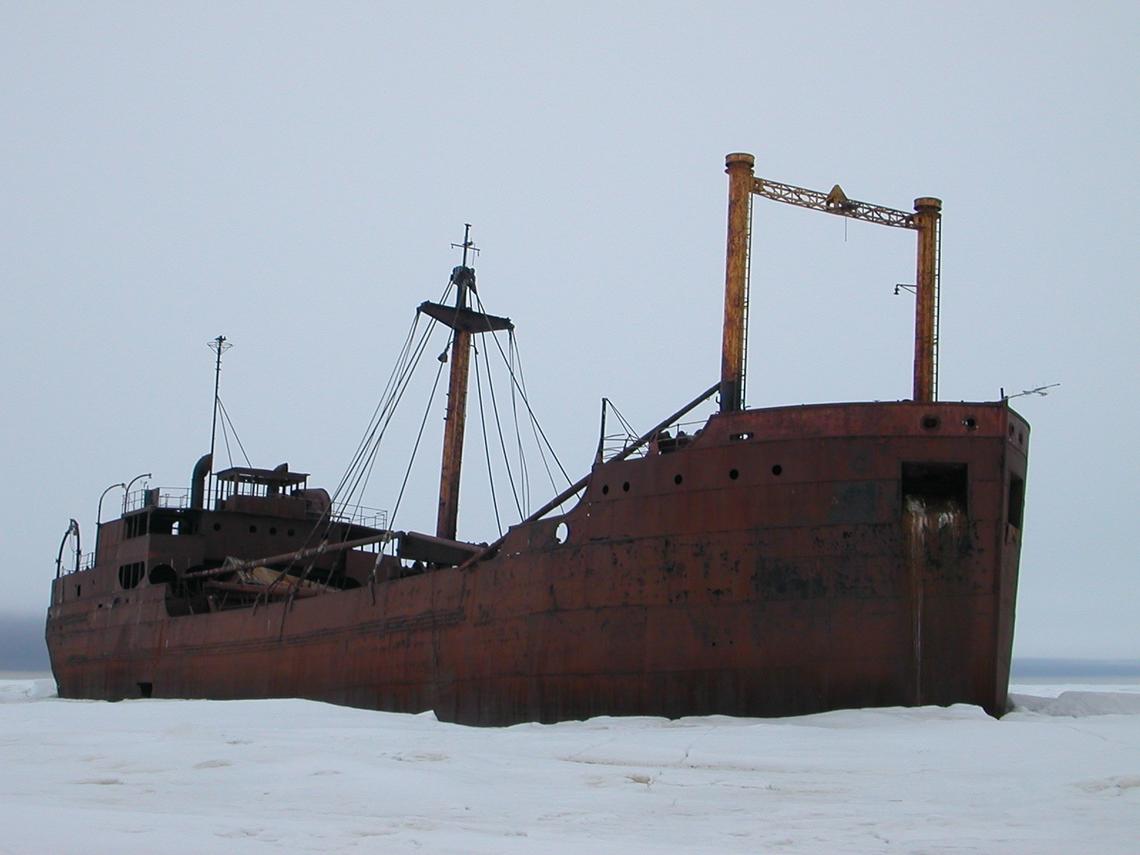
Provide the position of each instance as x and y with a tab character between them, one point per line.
219	346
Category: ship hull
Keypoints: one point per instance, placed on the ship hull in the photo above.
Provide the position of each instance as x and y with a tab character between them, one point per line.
781	561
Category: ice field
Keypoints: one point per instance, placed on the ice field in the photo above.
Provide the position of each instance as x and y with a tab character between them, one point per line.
1060	774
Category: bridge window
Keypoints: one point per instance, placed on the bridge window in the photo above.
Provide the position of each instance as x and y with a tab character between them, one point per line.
131	574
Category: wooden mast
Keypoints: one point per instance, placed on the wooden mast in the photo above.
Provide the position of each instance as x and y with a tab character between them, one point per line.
455	421
465	322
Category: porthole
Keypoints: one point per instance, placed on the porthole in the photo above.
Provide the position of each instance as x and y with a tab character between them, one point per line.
733	474
677	479
970	423
931	422
625	487
606	487
253	529
777	469
291	532
273	529
217	526
561	533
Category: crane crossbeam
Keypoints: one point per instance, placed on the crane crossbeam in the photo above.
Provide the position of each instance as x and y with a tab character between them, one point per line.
835	202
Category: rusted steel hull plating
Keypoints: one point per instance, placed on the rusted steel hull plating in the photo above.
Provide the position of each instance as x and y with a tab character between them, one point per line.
785	561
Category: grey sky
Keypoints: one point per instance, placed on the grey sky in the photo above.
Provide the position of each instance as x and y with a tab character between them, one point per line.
291	175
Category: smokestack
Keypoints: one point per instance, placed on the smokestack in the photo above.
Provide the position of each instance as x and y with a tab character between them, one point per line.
198	481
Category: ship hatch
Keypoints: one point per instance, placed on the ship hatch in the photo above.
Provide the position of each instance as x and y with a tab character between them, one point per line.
935	483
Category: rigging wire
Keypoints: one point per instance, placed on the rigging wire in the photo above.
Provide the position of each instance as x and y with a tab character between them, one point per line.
397	383
537	429
365	468
629	429
630	433
237	439
360	467
406	363
534	429
415	448
499	430
380	403
524	475
486	445
357	473
363	461
359	470
521	382
226	439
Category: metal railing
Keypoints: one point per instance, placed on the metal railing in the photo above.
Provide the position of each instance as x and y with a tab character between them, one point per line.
168	497
615	444
86	562
361	515
179	497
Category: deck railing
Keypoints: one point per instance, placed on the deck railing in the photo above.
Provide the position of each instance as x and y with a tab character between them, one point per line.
616	443
361	515
168	497
179	497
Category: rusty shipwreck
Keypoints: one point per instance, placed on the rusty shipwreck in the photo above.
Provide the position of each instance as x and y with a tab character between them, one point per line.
775	562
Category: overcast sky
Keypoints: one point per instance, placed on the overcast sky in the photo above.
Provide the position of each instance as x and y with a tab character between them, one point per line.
292	176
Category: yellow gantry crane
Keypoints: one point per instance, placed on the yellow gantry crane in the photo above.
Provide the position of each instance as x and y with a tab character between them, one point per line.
926	220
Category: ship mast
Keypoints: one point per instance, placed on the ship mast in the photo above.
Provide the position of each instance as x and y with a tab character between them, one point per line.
465	322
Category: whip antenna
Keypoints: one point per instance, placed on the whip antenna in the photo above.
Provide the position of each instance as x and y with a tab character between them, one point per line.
219	346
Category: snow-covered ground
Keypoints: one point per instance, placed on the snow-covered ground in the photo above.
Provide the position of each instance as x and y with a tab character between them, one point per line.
1061	774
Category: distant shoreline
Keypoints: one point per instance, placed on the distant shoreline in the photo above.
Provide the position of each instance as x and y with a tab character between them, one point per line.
1037	667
